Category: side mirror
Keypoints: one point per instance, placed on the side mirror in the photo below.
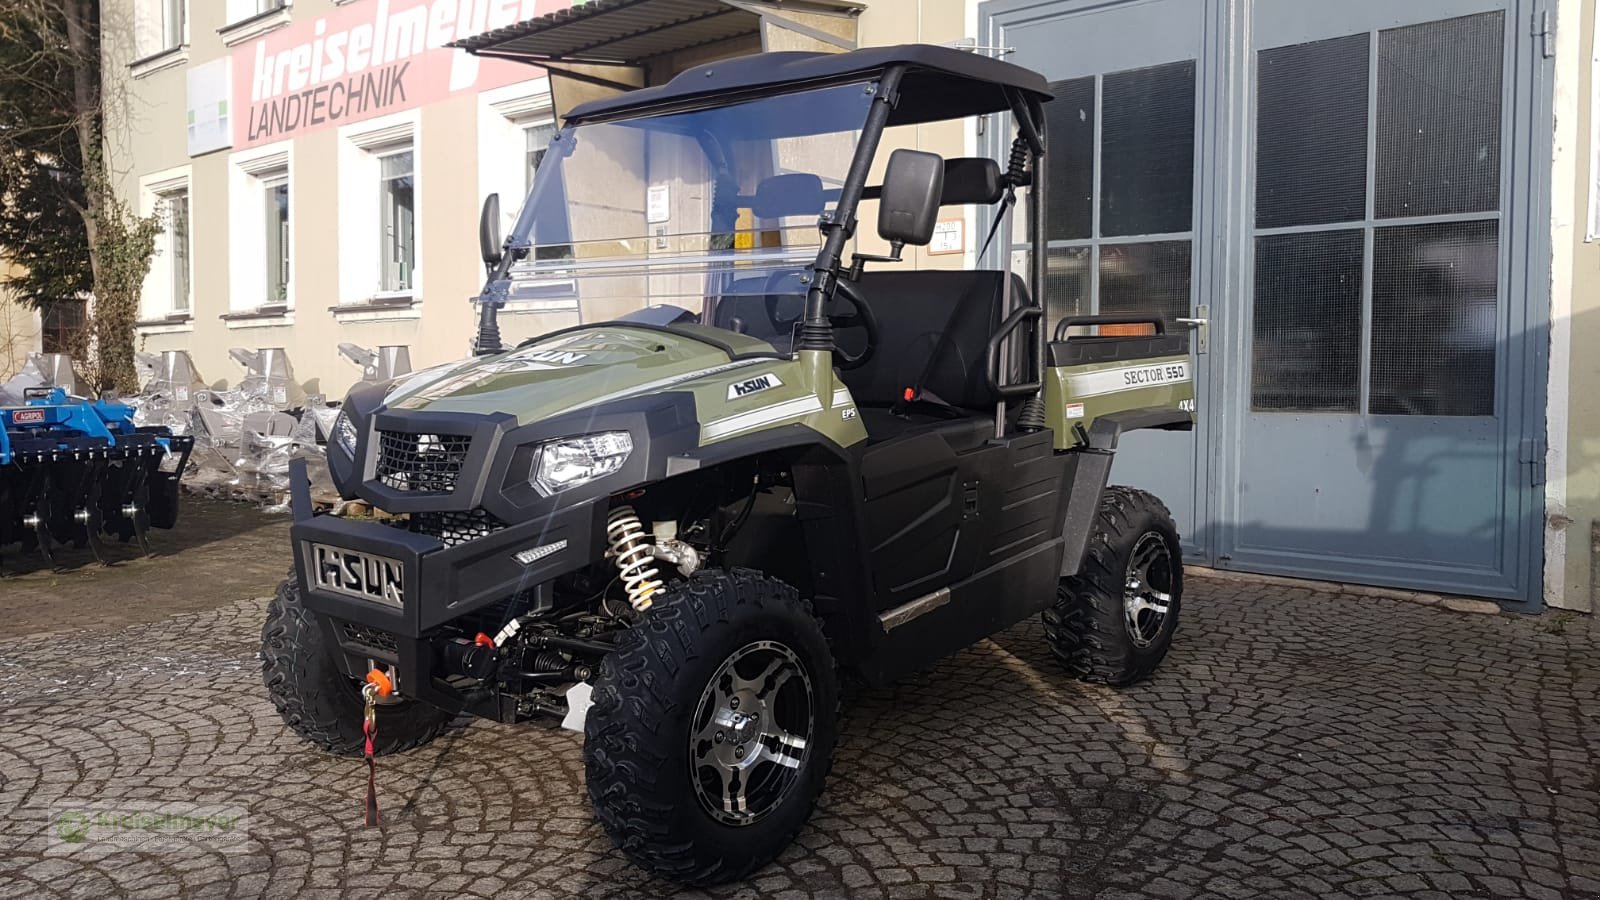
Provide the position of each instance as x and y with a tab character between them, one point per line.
909	205
489	230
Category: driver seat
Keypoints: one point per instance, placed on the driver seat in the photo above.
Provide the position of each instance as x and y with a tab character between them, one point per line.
913	308
748	306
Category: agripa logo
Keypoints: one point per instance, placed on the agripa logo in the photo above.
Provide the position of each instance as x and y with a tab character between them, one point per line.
753	386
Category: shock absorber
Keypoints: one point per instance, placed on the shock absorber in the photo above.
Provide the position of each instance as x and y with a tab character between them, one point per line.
631	547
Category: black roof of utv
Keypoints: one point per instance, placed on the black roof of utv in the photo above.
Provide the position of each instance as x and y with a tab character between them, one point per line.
940	82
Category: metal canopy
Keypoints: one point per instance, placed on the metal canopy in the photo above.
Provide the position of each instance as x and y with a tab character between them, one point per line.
940	83
626	32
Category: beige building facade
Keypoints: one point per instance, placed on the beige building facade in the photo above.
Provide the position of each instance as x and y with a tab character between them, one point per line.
20	334
343	207
321	165
21	331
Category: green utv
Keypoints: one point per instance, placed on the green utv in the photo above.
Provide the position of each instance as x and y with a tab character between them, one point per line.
752	467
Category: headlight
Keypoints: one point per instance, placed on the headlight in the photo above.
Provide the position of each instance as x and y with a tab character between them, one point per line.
344	433
567	463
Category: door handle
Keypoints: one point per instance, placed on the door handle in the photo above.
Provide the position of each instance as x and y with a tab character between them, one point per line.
1201	323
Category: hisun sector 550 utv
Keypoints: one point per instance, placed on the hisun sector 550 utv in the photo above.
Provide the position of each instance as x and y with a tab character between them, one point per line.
758	461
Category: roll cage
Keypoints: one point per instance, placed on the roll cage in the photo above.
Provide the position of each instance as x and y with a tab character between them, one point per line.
911	84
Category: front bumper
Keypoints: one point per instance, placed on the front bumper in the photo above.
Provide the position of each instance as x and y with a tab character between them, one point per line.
442	583
439	584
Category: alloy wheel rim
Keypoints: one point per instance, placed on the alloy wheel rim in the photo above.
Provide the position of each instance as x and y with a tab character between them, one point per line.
749	736
1147	598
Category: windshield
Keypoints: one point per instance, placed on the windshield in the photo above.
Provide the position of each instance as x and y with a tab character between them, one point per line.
713	213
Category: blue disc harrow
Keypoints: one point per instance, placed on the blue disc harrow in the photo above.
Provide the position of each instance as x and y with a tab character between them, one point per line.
73	471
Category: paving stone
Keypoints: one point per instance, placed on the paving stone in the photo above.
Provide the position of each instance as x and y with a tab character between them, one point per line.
1296	743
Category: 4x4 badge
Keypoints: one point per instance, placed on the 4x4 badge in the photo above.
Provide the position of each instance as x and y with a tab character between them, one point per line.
753	386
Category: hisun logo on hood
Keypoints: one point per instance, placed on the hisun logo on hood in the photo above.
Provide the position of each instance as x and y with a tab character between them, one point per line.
558	357
753	386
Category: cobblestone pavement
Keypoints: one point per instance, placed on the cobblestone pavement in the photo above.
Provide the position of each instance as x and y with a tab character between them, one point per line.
1297	743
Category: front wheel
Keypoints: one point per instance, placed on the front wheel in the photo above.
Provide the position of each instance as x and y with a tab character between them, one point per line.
1113	622
713	728
317	700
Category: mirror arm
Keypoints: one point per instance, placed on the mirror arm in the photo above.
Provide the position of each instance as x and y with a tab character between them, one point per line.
858	261
816	333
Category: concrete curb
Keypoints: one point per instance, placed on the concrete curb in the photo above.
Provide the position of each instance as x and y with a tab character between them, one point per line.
1454	603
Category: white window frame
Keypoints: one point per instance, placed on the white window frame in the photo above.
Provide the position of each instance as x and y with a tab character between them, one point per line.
270	182
158	43
504	115
158	294
174	34
248	19
249	175
388	243
361	147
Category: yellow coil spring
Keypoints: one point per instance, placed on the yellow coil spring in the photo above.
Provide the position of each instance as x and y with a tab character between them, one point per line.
634	554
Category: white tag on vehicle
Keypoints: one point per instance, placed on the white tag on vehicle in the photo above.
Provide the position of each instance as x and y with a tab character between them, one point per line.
579	698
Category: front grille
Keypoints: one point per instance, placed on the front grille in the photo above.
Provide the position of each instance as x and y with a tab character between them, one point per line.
369	637
452	528
427	463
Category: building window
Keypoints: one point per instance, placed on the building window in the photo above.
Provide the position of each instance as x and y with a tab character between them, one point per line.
174	15
61	325
241	10
179	248
248	19
397	196
260	218
538	141
169	283
380	238
277	234
160	25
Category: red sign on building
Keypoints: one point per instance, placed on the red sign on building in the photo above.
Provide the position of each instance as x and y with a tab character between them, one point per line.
365	60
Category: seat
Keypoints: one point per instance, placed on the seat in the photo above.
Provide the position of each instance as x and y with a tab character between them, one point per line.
913	308
751	307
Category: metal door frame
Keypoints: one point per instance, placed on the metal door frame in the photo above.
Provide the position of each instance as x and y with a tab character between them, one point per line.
1207	267
1522	368
1224	253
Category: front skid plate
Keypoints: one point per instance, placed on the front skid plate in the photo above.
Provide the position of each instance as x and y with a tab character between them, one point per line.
439	583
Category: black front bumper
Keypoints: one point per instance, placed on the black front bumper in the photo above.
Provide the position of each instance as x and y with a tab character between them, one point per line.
441	583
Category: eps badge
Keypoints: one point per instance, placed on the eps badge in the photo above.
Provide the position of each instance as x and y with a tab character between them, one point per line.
753	386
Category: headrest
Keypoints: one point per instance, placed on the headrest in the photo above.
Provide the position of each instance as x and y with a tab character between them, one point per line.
795	194
971	179
967	179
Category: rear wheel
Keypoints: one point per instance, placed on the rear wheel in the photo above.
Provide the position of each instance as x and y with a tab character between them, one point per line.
317	700
1113	622
713	728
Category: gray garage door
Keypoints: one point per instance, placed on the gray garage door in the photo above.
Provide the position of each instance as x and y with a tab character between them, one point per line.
1345	200
1125	214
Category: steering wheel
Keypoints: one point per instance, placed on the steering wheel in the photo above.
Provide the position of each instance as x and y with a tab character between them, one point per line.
780	292
861	317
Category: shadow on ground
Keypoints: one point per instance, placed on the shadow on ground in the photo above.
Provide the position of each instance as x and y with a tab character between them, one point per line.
219	552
